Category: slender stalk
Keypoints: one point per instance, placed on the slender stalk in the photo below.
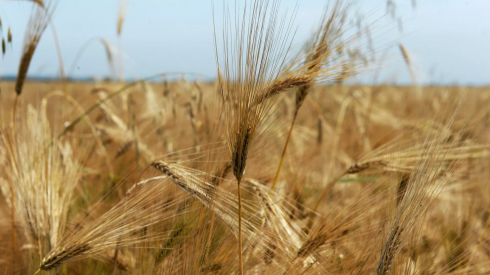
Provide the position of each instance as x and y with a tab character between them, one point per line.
283	153
240	227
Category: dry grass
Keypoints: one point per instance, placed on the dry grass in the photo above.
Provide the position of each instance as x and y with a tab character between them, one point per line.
182	177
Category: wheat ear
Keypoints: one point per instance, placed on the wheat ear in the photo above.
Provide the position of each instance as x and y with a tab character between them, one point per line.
326	35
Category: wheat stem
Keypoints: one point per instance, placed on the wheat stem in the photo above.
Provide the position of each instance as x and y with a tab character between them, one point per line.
283	154
240	255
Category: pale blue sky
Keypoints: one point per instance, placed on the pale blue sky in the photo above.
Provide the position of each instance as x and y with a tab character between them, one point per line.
448	39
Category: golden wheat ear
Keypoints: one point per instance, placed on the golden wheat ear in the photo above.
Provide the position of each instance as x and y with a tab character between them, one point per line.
35	28
316	66
253	53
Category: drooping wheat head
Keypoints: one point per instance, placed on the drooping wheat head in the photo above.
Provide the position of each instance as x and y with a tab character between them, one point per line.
38	22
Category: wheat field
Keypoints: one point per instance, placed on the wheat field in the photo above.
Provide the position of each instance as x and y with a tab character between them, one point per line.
274	167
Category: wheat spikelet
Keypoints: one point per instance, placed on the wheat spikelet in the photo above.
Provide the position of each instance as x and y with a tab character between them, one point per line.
35	28
317	65
389	251
177	179
314	66
59	255
24	66
240	151
284	84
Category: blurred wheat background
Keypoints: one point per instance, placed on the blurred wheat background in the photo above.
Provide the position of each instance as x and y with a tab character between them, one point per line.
297	153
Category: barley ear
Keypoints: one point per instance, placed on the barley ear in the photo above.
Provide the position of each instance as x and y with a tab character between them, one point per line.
35	28
239	160
25	61
62	254
240	151
390	251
